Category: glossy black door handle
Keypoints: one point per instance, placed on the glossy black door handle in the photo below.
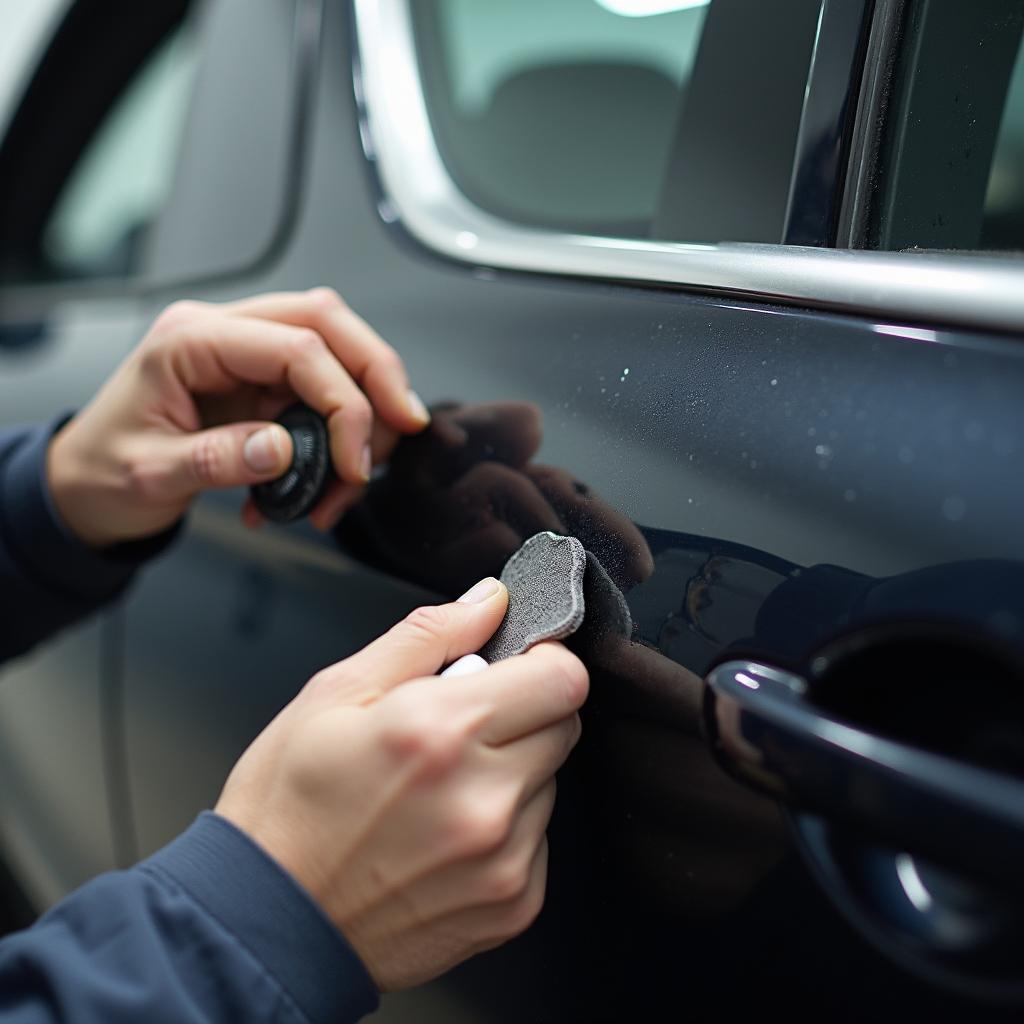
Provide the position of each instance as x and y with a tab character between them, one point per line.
765	730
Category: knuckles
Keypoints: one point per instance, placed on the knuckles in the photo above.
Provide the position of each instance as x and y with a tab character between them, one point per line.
525	911
305	345
513	916
356	412
425	625
326	298
573	733
208	460
388	361
506	879
478	826
418	732
176	315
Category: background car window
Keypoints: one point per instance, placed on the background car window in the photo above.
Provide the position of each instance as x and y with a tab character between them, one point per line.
585	115
26	27
952	160
99	222
560	112
90	149
1003	221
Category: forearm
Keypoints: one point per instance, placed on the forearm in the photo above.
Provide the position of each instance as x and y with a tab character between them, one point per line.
48	577
210	929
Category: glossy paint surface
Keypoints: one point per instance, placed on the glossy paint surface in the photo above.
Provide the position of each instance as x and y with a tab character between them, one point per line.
749	477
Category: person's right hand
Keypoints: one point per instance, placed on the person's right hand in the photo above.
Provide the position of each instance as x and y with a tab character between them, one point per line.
190	409
413	809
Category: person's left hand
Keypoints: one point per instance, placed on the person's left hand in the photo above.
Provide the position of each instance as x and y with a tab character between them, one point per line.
188	411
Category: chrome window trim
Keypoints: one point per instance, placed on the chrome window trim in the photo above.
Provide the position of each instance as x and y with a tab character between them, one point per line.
980	291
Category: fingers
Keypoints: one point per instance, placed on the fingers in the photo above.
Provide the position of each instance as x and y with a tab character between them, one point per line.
515	915
337	500
340	496
429	638
491	877
537	756
372	362
177	467
527	693
462	933
215	353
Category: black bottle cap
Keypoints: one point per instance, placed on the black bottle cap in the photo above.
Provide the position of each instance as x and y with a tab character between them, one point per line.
298	490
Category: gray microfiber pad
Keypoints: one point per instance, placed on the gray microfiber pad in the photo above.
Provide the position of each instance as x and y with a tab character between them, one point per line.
545	595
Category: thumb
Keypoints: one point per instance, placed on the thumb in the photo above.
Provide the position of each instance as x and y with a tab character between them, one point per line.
230	456
427	639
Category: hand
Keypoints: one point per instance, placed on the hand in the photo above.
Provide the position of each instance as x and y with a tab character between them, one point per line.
187	411
414	809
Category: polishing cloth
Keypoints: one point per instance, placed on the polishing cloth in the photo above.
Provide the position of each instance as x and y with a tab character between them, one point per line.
545	595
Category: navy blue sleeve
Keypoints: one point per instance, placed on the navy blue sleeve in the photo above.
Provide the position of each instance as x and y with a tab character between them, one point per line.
210	929
49	578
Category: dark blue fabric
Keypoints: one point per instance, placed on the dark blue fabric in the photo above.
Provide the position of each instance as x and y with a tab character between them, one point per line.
210	929
48	578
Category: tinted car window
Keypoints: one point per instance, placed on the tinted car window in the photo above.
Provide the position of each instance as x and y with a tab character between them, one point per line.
1003	219
952	160
590	115
124	175
90	151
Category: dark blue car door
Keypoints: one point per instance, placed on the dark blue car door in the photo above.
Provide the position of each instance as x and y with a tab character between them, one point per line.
648	263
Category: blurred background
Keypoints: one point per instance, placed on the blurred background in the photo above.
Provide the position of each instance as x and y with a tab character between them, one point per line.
22	27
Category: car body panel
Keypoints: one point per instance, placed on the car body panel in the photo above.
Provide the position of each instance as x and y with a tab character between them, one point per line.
762	450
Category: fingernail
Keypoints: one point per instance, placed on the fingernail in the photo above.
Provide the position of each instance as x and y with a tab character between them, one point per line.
366	462
465	666
417	408
480	592
262	450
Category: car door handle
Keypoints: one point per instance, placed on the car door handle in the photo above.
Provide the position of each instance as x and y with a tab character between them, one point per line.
767	732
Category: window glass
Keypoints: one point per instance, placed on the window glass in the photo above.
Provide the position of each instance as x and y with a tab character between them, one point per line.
666	119
952	161
122	178
1003	223
559	113
25	30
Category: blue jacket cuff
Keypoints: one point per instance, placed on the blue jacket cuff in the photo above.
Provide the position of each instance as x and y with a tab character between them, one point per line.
269	913
46	548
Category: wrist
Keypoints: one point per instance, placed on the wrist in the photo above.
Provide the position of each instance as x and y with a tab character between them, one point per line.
231	878
69	484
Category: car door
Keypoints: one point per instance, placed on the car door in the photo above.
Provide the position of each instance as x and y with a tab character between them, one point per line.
600	234
767	446
805	439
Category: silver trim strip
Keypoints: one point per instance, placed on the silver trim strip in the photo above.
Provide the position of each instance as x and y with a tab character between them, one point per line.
978	291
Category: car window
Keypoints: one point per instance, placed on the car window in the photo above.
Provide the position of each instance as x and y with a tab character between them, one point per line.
122	178
1002	224
591	116
952	160
26	27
